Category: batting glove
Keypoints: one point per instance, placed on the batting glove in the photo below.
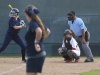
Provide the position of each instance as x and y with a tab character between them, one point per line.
22	23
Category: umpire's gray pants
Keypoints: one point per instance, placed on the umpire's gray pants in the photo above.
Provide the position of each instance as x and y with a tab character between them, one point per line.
85	47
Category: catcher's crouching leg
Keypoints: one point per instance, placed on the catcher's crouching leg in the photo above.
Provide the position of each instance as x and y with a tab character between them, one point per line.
72	54
66	57
63	53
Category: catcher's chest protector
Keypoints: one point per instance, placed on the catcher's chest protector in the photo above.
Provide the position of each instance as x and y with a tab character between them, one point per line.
68	45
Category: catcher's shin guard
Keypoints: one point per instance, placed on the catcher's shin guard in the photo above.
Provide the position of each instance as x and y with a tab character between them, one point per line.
71	54
66	57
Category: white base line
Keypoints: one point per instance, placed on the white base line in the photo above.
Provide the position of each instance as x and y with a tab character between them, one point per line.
12	70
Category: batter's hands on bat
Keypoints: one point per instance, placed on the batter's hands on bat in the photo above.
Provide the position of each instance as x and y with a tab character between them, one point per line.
37	47
22	23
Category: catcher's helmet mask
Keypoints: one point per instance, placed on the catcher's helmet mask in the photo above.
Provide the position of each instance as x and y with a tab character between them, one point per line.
67	31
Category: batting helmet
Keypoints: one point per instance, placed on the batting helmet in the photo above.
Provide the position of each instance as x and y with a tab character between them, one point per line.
14	11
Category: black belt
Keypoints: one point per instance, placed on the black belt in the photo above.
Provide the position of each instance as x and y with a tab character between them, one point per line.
86	36
81	35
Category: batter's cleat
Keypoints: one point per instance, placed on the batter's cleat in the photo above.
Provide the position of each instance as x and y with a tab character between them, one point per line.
24	61
89	60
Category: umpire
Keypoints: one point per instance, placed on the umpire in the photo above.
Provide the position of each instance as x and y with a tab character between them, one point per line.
81	34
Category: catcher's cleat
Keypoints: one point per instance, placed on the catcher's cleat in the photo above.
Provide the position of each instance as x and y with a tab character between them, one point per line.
65	59
24	61
77	60
68	61
89	60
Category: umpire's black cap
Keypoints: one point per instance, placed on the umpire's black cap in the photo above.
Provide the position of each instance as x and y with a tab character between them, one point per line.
71	13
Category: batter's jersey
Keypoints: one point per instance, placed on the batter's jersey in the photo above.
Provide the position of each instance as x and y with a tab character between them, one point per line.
13	22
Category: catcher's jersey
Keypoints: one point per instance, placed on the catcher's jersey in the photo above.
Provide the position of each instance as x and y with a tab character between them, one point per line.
73	43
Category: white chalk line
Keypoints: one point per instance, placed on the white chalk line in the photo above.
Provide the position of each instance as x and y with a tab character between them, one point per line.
12	69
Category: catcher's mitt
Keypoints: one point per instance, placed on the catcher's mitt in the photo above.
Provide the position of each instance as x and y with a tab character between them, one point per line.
62	51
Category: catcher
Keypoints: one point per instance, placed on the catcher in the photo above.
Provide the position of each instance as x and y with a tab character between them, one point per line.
70	49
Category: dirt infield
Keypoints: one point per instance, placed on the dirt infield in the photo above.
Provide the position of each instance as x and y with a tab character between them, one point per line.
52	66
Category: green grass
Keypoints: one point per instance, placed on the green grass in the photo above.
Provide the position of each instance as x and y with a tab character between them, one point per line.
92	72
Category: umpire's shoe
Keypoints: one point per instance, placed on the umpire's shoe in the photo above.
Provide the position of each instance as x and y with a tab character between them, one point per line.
89	60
